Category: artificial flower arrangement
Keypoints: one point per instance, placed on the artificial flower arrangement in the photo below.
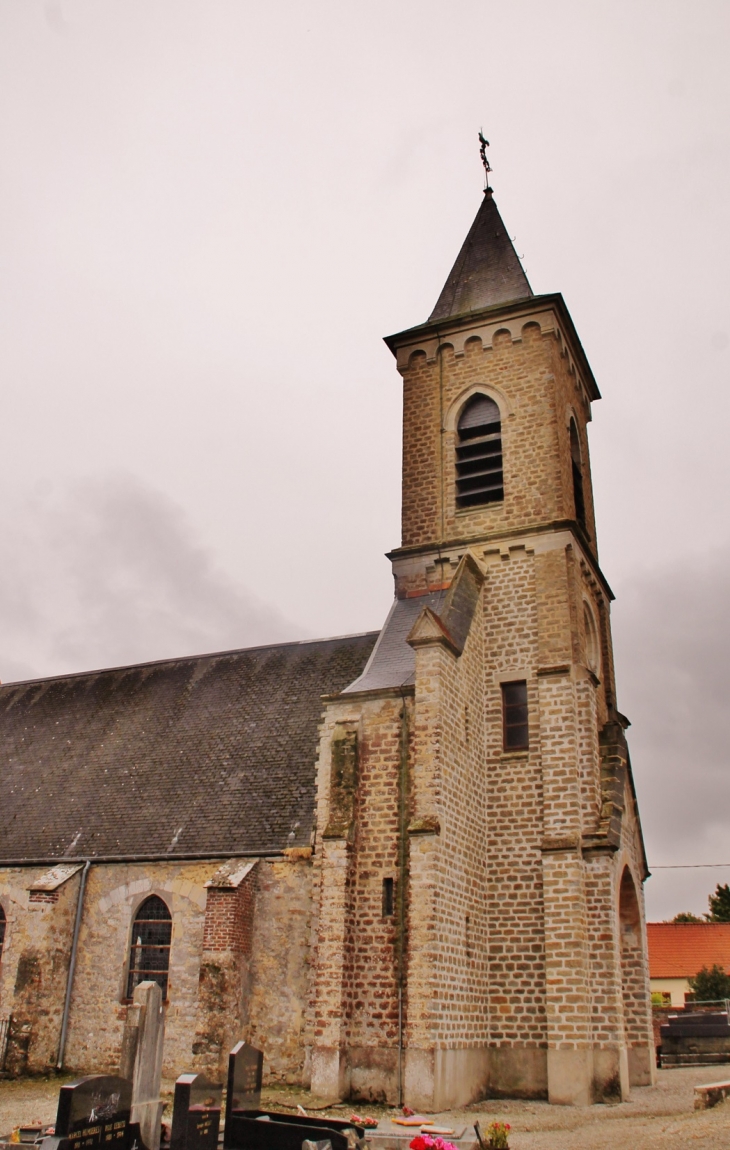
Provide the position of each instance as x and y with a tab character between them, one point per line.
364	1120
497	1133
428	1142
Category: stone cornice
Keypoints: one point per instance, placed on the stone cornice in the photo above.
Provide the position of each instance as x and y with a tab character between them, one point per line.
476	543
549	311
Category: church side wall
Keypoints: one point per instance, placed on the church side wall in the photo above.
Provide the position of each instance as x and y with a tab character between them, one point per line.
265	1005
34	965
98	1010
278	1019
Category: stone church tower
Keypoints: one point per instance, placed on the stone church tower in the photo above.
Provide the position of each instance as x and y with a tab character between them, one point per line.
479	861
406	864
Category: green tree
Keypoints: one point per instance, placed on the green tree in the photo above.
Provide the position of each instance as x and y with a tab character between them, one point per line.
719	904
710	984
686	916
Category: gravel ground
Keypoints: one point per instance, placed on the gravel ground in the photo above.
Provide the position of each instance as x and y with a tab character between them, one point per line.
656	1116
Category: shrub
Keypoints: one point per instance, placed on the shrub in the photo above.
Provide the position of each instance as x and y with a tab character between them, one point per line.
710	984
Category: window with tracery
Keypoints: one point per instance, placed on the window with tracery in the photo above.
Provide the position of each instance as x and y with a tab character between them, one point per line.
149	956
479	477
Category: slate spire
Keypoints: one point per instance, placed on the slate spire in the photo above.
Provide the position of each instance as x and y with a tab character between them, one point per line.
487	270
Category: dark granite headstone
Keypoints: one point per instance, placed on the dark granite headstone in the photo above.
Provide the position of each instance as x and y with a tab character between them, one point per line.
95	1112
245	1071
196	1113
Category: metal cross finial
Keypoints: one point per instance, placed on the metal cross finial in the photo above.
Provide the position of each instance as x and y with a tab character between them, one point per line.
483	145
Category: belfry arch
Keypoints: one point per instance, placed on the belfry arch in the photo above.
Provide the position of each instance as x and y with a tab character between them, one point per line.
633	982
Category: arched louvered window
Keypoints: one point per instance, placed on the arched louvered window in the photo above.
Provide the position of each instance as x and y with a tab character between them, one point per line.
578	497
149	956
3	924
479	454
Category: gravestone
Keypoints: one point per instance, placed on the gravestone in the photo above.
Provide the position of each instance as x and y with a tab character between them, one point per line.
95	1111
196	1114
141	1060
245	1071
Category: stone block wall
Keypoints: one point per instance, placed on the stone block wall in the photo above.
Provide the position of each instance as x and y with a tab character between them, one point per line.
245	961
34	965
278	1020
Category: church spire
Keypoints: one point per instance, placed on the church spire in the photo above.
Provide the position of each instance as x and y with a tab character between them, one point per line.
487	270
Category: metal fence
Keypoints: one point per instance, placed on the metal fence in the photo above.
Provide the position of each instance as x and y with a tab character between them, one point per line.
4	1031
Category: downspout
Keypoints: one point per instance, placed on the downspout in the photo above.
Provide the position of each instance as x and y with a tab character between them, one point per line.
72	964
402	879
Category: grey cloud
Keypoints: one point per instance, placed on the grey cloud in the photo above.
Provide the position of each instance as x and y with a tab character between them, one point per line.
672	636
105	571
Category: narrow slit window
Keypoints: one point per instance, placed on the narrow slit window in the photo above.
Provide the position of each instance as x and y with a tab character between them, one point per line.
479	477
149	957
3	924
516	734
577	468
388	897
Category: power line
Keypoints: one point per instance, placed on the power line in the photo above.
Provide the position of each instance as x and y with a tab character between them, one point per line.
687	866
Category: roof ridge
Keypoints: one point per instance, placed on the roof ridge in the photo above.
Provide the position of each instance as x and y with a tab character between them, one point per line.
184	659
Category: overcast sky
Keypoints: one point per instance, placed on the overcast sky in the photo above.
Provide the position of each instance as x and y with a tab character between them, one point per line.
212	212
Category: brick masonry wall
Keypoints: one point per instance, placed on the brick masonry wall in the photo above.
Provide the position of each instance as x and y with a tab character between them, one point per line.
533	373
448	929
515	799
224	984
355	992
228	921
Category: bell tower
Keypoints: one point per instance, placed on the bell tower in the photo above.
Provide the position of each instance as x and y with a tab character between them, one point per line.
479	896
497	395
497	398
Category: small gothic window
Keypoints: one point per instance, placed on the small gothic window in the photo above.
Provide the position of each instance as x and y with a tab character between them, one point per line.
578	497
479	477
3	924
149	957
516	735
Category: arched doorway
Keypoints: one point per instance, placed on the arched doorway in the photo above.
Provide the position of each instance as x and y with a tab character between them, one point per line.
637	1020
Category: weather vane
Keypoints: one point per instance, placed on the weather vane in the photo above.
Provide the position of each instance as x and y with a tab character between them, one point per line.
483	145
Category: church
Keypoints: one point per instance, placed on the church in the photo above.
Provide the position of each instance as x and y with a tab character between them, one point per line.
407	864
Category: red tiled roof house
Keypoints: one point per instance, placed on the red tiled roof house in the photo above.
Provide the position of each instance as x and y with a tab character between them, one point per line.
678	950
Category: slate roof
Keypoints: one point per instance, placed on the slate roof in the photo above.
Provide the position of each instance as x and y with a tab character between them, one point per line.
207	755
393	661
681	949
487	271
